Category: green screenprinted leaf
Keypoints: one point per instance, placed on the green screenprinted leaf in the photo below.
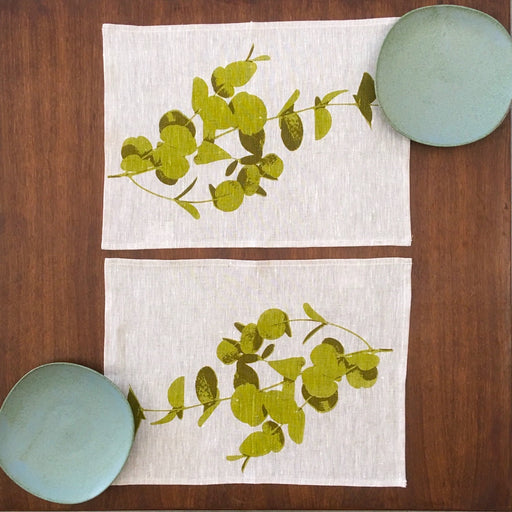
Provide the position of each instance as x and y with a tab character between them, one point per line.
365	96
313	314
228	351
249	111
256	444
334	343
261	192
164	179
364	361
313	331
290	102
190	208
317	383
209	152
362	379
296	426
176	392
239	326
228	195
234	457
272	324
323	122
289	368
199	93
231	168
240	72
221	84
247	405
268	351
271	166
207	412
176	118
216	114
179	138
187	189
320	404
276	435
137	411
253	143
325	357
280	406
250	341
136	146
167	418
249	177
292	130
134	163
331	95
245	375
206	385
261	58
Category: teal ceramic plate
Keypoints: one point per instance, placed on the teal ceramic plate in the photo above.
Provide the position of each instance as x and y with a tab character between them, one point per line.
65	433
444	75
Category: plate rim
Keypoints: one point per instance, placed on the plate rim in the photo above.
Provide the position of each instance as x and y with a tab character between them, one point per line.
124	458
379	62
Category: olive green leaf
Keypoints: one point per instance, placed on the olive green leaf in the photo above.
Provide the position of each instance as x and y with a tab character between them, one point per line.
207	412
296	426
256	444
234	457
290	103
280	406
249	358
139	146
272	324
220	83
228	195
179	138
134	163
249	178
164	179
271	166
199	93
240	72
251	341
247	405
364	361
323	122
170	163
249	111
365	96
313	314
137	411
250	159
231	168
206	385
292	130
239	326
320	404
362	379
261	58
209	152
261	192
313	331
177	118
250	52
325	357
176	393
253	143
288	388
334	343
186	190
167	418
276	435
228	351
216	114
317	383
190	208
331	95
245	375
268	351
289	368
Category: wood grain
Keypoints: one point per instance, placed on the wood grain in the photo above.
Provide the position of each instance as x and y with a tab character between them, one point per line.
459	387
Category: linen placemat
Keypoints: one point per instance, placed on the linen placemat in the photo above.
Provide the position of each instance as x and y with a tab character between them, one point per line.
262	130
287	372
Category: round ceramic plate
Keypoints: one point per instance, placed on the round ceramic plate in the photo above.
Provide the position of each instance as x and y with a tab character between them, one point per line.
444	75
65	433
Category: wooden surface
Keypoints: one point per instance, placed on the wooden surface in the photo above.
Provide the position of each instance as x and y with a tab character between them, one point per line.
51	284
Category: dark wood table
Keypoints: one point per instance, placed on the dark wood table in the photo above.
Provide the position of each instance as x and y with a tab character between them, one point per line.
459	384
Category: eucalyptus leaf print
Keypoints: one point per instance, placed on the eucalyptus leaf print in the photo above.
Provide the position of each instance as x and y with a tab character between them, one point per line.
274	412
219	109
